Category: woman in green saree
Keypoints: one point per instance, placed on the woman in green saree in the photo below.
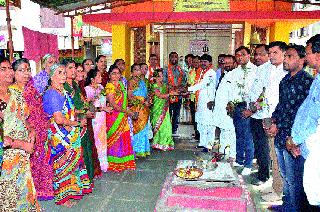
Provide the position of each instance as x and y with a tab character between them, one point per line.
160	118
79	102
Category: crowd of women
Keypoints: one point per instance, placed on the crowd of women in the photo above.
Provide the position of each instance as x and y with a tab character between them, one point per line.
65	126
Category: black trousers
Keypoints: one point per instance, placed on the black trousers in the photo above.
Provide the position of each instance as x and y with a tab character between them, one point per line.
261	148
174	110
193	117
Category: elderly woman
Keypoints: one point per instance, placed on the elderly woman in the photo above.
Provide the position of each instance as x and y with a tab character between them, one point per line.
120	152
41	79
17	189
70	180
138	92
6	79
79	102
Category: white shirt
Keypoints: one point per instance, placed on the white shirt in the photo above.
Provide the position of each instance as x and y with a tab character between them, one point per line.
272	92
268	76
207	93
220	116
241	82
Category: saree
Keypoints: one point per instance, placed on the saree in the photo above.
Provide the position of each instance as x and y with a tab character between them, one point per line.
95	157
41	81
1	145
3	106
70	179
16	183
86	141
42	171
160	121
140	143
120	152
99	125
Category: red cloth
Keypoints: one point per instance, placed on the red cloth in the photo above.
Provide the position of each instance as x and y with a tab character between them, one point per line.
42	171
37	44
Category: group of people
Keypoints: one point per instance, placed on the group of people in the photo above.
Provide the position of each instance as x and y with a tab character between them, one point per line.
266	109
63	127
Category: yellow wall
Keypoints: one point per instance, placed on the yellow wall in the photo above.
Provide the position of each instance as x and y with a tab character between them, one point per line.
280	31
121	44
247	34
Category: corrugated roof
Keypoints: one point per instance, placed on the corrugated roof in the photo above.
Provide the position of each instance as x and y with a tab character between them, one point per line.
62	6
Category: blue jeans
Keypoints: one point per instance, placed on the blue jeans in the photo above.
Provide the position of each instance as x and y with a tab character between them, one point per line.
244	142
294	198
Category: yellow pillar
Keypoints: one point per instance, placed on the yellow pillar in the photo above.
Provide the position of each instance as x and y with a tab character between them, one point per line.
121	45
280	31
246	34
148	35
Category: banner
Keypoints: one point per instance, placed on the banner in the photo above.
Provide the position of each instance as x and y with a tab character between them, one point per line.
200	5
197	47
77	26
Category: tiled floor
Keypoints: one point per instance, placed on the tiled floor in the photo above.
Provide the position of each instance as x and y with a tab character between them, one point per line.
137	190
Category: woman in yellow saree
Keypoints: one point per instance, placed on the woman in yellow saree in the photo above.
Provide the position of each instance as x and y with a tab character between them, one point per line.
120	152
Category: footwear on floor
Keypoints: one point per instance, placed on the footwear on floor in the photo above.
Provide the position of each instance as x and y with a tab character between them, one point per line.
235	164
271	197
199	147
205	150
257	182
277	208
246	171
175	135
265	189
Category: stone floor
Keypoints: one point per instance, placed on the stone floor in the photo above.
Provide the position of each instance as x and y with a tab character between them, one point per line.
138	190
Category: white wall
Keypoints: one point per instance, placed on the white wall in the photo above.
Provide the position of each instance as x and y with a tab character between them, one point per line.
29	16
219	43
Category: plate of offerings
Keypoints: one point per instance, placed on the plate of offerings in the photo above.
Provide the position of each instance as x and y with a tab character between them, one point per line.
189	173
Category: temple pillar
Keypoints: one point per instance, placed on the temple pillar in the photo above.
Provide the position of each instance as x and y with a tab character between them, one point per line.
246	34
280	31
121	44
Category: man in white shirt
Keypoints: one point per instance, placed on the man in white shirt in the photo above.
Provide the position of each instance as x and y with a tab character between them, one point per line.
241	80
206	88
277	51
264	95
259	110
220	119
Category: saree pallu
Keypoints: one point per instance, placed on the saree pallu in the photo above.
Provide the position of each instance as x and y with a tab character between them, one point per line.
1	145
140	143
42	171
99	125
160	121
16	183
86	140
70	179
120	152
96	161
